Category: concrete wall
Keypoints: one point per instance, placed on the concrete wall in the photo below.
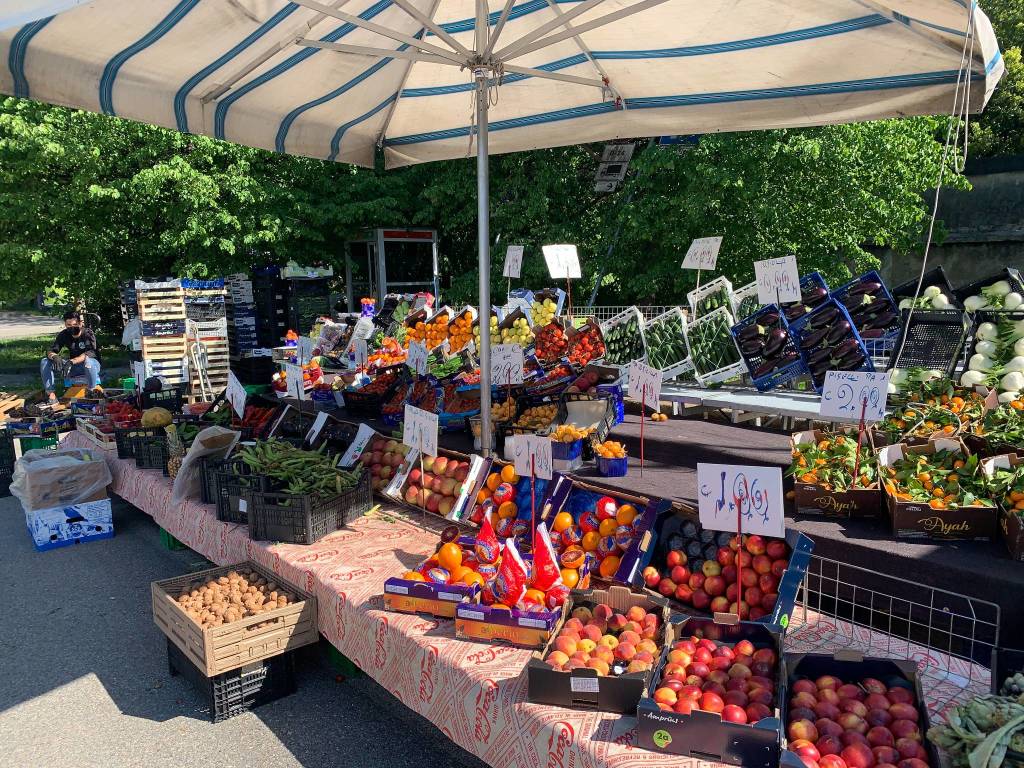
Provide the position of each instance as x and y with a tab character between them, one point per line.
985	226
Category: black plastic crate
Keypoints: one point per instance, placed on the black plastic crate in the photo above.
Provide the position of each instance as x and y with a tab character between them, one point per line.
163	328
302	519
208	480
989	316
240	690
6	475
1009	274
172	399
152	451
935	276
124	439
232	479
930	338
254	370
205	311
7	455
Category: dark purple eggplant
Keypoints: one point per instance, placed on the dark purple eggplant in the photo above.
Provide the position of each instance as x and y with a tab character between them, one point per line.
868	286
813	339
852	302
818	371
838	331
768	319
752	346
843	348
795	311
819	355
776	341
824	317
850	361
864	312
814	296
884	320
751	332
781	362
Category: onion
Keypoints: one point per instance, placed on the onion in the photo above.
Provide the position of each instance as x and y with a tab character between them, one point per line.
931	291
1012	300
972	378
987	331
1012	382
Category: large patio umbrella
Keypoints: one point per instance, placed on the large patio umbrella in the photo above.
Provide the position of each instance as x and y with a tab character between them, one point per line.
437	79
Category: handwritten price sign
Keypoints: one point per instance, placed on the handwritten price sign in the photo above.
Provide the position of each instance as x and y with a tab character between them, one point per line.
532	455
235	394
703	253
417	358
359	350
420	430
778	281
305	349
645	384
845	393
506	364
754	493
563	261
293	378
513	261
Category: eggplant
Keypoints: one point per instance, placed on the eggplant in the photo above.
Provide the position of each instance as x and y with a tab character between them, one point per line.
864	312
819	370
781	362
794	311
769	318
814	296
751	332
776	341
850	361
852	302
752	346
838	332
843	348
819	355
868	286
883	321
824	317
813	339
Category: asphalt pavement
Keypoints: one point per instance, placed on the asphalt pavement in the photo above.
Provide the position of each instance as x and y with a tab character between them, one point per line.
86	685
17	325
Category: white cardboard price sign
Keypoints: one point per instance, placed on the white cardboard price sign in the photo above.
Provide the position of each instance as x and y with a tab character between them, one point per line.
506	364
318	424
235	394
305	349
845	393
293	377
778	281
365	434
420	430
359	350
645	384
563	261
702	253
417	357
754	493
532	455
513	261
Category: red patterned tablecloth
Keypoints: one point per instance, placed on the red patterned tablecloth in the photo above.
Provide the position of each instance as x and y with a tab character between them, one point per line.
474	693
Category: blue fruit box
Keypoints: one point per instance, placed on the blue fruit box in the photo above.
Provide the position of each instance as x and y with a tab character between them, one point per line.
612	467
780	375
427	597
885	301
34	426
705	735
63	526
801	328
580	500
672	528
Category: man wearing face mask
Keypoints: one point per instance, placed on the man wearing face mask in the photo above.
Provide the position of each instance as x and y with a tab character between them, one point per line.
84	355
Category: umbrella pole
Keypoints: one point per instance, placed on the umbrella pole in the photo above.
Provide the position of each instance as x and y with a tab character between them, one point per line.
484	255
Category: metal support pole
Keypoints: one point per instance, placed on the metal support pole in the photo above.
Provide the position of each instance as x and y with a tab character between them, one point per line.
483	212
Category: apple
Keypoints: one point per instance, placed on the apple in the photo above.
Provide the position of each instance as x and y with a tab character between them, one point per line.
871	685
913	762
879	717
739	698
725	556
852	722
877	701
901	711
729	574
715	586
680	574
767	583
719	663
683	706
711	568
761	669
858	756
827	710
651	577
749	577
775	549
907	748
762	564
886	755
805	748
905	729
719	676
827	681
801	713
900	696
665	696
716	688
779	567
756	545
732	713
761	682
802	729
804	686
829	745
699	669
677	656
759	696
667	587
757	712
701	600
712	702
850	692
686	645
803	700
684	594
832	761
827	727
696	581
752	596
768	601
854	706
880	737
674	558
852	737
703	655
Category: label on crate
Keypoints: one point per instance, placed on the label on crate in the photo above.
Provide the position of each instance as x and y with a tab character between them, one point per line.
702	253
846	393
293	377
778	281
235	394
751	497
354	451
563	261
420	430
532	623
584	684
395	589
471	615
513	261
453	597
506	364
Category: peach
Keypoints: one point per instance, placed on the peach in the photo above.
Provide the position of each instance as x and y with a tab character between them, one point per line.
691	692
616	622
711	702
676	656
684	706
739	698
637	614
880	737
850	692
832	761
625	651
876	701
581	656
575	664
829	745
566	645
878	717
886	755
828	727
854	706
601	626
629	636
582	614
851	722
651	647
757	712
590	632
905	729
675	669
802	729
826	710
688	646
636	665
586	645
901	711
665	696
557	657
803	700
609	640
605	654
900	696
602	668
743	671
573	625
759	696
827	681
699	669
858	756
645	656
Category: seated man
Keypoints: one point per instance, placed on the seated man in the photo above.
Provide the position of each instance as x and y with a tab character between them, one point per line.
81	345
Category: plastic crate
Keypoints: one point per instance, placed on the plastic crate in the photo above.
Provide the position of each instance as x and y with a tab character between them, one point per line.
988	316
39	443
240	690
303	519
612	467
151	451
839	294
171	399
208	481
1011	275
798	328
935	276
163	328
782	374
7	454
254	370
230	480
930	338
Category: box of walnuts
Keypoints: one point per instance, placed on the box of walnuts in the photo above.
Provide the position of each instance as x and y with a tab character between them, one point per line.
226	617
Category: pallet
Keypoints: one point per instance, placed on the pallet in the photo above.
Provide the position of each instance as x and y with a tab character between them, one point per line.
164	347
9	403
161	304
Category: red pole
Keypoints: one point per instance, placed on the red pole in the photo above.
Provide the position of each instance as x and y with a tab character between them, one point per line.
643	418
739	551
860	439
533	492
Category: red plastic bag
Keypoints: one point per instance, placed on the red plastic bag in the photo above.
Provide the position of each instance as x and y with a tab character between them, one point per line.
546	573
510	583
488	548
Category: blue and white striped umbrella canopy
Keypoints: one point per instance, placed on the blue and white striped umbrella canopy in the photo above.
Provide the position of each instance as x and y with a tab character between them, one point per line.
336	78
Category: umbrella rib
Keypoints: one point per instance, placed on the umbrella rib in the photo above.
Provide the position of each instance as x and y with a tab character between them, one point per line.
531	72
510	50
516	49
934	39
586	52
427	22
497	28
381	53
382	31
481	24
434	27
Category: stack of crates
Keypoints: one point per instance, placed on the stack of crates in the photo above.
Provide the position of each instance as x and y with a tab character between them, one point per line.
161	306
251	363
206	313
309	299
129	302
270	295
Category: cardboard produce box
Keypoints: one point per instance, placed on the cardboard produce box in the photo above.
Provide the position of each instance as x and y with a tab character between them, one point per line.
813	499
1011	522
917	520
73	524
49	479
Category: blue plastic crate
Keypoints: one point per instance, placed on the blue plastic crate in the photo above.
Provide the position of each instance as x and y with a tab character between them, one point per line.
566	451
893	329
812	280
797	328
781	375
612	467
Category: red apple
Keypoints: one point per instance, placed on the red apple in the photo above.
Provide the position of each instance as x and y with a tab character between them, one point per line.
729	574
768	656
715	586
905	729
761	669
900	696
852	737
913	762
879	717
732	713
719	676
803	700
674	558
683	706
902	711
749	577
651	577
757	712
739	698
726	556
876	701
696	581
756	545
880	737
744	648
767	583
712	702
801	713
852	705
852	722
737	684
849	691
858	756
689	646
805	748
775	549
762	564
827	710
667	587
907	748
829	745
804	686
699	669
701	600
802	729
871	685
886	755
719	662
702	655
759	696
832	761
684	594
716	688
779	567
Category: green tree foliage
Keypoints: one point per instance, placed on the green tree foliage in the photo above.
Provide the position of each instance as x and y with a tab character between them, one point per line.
1000	129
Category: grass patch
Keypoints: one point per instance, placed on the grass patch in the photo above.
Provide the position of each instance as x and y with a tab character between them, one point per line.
23	355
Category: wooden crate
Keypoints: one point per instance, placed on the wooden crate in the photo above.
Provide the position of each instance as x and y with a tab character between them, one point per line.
161	304
164	347
220	649
9	403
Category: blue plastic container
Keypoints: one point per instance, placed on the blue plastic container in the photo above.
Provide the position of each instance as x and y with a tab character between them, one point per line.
798	328
612	467
618	401
780	375
566	451
889	332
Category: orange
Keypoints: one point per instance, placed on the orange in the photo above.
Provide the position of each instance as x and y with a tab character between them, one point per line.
483	495
459	573
413	576
473	579
626	514
570	577
573	557
493	480
609	566
607	527
500	607
562	521
534	596
508	509
450	556
590	541
508	474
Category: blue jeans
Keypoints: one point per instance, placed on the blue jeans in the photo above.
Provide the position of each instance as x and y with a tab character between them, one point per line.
90	369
